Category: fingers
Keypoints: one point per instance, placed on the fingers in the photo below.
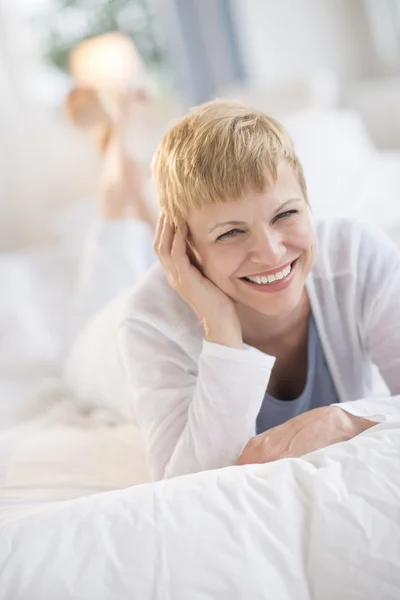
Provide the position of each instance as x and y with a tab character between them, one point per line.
170	247
178	248
157	233
163	238
180	259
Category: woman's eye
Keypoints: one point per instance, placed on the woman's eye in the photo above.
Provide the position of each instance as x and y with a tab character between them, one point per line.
284	215
229	234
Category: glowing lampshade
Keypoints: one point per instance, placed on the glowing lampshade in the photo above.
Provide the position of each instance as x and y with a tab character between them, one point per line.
107	62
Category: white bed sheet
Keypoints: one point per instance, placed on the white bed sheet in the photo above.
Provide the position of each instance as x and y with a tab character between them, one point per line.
65	454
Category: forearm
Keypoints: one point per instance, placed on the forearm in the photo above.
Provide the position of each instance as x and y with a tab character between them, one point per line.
211	440
222	415
116	256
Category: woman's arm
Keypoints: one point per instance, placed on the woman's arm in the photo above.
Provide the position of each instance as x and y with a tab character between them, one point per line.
116	256
192	417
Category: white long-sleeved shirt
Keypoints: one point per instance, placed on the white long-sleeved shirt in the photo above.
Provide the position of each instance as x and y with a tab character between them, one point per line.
196	402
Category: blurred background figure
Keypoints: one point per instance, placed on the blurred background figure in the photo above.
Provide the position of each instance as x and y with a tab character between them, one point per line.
112	104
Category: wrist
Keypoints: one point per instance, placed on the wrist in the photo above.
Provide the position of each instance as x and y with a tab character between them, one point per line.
225	334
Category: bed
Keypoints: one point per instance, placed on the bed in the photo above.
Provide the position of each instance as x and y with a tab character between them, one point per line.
78	516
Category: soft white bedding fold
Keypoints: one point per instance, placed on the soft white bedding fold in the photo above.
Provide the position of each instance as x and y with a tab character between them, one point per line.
323	527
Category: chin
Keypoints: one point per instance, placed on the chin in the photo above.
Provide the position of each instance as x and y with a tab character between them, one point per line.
273	305
273	309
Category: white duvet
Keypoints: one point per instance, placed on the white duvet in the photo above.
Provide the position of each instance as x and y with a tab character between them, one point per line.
75	524
323	527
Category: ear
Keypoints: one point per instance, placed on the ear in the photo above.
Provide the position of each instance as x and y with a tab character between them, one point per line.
84	109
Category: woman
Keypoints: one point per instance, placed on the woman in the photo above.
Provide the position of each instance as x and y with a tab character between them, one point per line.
255	322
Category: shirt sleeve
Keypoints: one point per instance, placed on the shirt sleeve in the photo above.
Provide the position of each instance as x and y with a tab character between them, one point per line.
116	256
379	301
379	265
193	417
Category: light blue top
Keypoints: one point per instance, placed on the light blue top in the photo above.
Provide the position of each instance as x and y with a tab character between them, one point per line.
318	391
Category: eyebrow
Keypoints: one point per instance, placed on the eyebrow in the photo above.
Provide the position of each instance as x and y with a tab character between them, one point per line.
291	201
225	223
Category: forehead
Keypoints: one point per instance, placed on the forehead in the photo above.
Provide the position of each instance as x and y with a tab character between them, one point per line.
285	187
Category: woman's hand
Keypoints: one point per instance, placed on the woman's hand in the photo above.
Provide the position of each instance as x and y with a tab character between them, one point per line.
213	308
309	431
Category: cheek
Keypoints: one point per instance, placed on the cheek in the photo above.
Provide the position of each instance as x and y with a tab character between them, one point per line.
222	263
306	243
302	237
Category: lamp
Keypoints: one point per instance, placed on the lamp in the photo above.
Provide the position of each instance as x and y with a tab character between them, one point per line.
105	68
107	62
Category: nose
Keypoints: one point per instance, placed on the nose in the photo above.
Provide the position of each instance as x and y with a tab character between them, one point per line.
267	247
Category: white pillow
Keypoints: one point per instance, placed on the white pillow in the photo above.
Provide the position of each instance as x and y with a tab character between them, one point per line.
337	156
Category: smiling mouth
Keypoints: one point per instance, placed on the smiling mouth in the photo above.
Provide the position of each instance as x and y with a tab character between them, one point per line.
270	279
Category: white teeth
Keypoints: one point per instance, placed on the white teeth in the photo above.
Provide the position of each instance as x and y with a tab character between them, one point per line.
263	279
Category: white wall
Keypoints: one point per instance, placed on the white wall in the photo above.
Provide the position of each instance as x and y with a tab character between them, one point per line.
281	39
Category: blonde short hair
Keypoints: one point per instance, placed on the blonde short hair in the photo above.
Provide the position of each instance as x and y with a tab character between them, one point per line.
218	152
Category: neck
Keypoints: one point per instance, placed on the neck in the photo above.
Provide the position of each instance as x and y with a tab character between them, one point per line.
263	331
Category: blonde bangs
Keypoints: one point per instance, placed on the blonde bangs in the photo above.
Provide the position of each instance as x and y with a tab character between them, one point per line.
219	152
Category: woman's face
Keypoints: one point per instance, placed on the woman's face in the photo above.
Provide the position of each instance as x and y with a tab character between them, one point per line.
260	250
